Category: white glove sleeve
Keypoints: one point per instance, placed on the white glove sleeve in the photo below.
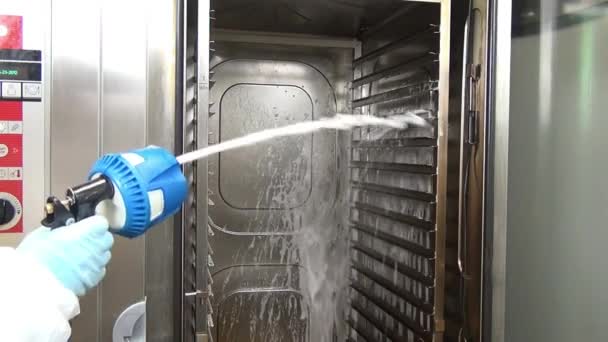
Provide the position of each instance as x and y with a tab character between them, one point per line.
34	305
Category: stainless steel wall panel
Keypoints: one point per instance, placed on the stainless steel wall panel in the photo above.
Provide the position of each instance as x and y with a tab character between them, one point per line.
326	17
123	108
257	313
260	213
549	206
75	116
112	66
259	187
160	128
261	303
498	174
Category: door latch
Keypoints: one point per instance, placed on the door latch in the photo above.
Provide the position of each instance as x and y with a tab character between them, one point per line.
472	113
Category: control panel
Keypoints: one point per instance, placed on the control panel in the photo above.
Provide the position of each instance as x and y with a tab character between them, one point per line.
22	118
20	81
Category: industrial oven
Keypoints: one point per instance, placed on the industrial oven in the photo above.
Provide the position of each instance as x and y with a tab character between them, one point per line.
370	235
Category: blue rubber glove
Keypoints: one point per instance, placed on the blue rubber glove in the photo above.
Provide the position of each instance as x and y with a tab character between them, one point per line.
77	254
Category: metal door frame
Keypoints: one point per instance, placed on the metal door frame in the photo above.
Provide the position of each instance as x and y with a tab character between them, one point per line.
496	169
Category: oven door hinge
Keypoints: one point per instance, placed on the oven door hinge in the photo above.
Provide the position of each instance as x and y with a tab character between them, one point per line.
472	112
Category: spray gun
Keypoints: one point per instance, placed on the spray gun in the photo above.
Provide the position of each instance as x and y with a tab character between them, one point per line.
139	189
133	190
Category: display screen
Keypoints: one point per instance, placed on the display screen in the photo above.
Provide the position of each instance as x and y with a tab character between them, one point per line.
20	71
9	72
20	55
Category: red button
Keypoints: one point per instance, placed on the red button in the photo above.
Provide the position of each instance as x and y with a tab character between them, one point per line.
10	32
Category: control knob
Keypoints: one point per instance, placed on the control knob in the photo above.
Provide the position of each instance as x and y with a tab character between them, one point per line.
10	211
7	211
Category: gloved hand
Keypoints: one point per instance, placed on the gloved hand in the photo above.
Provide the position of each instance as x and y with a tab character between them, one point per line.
77	254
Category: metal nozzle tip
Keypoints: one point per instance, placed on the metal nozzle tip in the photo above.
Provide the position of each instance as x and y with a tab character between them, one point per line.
49	209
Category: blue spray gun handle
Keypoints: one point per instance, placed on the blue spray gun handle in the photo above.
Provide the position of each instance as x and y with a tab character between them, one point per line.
133	190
